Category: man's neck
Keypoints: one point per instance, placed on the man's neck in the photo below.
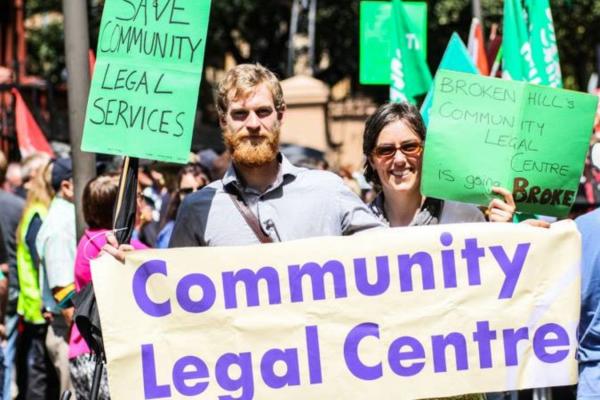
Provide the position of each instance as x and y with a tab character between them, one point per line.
62	196
259	178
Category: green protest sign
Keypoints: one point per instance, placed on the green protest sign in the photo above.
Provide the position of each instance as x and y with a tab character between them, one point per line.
486	132
144	91
376	34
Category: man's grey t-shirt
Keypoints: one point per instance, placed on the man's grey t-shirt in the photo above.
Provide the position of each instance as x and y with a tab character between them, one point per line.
301	203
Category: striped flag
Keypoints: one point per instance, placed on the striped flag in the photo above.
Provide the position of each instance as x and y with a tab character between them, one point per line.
543	42
517	58
409	71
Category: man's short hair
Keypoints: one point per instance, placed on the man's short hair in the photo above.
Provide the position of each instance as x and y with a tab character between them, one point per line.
239	82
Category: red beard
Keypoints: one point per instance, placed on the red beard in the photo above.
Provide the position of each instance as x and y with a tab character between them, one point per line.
252	150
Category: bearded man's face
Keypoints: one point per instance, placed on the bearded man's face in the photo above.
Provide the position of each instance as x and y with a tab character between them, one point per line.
251	128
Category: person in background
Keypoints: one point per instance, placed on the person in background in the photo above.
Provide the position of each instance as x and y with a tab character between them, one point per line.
146	228
588	193
14	177
190	178
31	166
3	299
99	197
346	174
12	208
206	159
589	323
154	189
55	244
588	352
35	378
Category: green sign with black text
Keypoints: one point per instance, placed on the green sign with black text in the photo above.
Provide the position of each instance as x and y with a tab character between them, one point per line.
486	132
145	86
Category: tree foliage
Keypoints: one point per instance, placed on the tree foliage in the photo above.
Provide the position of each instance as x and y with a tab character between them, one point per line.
577	26
45	42
46	55
258	31
266	28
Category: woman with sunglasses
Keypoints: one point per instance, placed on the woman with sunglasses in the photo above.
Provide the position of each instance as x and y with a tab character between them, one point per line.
393	143
190	178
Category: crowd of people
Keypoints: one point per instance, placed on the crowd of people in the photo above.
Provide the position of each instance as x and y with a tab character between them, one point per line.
250	194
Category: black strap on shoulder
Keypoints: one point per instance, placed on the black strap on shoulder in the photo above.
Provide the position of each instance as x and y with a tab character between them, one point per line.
251	219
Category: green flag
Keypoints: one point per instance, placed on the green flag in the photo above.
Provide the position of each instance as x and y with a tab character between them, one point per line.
455	58
543	42
517	61
409	72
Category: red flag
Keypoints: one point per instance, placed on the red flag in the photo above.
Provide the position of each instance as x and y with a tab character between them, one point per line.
29	135
477	49
92	62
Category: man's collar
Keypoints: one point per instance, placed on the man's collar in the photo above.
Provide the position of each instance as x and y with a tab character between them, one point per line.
61	200
286	168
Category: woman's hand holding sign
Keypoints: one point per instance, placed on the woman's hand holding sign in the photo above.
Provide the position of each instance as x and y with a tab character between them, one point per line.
112	247
501	210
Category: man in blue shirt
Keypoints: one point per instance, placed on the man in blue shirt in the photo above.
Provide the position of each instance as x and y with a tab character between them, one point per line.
589	324
288	202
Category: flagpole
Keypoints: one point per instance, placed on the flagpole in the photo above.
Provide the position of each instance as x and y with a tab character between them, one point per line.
476	10
312	16
78	84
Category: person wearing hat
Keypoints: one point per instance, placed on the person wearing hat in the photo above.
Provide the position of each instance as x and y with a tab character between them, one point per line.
56	245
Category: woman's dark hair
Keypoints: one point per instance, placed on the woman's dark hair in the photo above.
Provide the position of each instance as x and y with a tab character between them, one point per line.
383	116
175	201
99	198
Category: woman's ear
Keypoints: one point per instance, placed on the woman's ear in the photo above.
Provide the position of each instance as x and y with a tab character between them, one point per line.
370	161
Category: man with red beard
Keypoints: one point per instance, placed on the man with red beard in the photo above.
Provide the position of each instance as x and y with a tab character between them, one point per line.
286	202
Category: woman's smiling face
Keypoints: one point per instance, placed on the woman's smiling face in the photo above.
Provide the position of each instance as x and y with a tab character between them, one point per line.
397	158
